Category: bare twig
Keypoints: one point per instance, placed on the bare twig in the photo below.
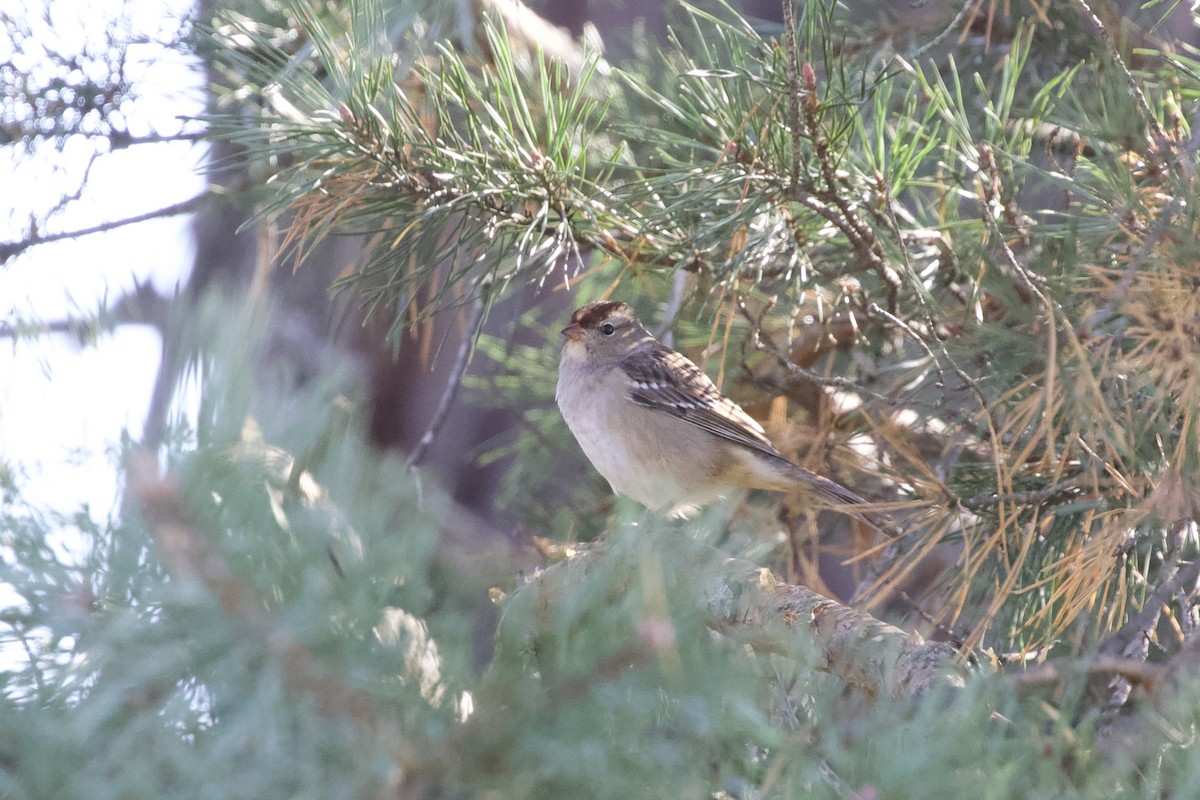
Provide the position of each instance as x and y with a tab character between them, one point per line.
1133	639
967	380
456	375
1175	576
10	249
122	139
764	341
1185	596
1137	672
968	7
1034	497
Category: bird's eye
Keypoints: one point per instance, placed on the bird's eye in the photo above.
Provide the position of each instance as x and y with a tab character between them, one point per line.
608	329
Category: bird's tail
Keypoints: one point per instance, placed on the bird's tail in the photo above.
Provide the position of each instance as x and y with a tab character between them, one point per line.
840	498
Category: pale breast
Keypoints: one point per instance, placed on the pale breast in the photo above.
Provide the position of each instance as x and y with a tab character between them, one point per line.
643	454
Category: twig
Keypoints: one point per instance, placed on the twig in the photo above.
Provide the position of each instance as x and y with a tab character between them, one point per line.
970	382
881	522
82	183
968	7
142	306
79	328
1034	497
456	375
1185	596
764	341
1151	241
990	180
864	241
795	90
1115	54
1137	672
949	635
1132	640
1138	628
839	221
10	249
122	139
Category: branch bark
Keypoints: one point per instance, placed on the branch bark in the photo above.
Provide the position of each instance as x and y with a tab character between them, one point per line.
746	603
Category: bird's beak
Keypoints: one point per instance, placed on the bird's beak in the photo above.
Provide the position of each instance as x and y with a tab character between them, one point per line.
574	332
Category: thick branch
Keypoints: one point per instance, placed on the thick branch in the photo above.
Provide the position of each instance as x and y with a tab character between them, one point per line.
746	603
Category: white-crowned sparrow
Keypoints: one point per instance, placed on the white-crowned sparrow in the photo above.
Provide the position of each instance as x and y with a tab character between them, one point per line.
657	428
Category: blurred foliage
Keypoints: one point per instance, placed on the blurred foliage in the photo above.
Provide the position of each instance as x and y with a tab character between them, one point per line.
958	272
54	88
76	86
207	645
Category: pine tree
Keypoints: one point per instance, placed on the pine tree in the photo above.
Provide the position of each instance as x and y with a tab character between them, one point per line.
954	273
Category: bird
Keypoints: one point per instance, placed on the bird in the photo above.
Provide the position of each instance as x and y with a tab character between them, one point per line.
658	429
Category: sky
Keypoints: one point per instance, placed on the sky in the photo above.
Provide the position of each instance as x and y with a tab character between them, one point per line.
63	406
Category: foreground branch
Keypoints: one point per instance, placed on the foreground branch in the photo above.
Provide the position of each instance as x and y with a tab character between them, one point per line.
747	604
192	561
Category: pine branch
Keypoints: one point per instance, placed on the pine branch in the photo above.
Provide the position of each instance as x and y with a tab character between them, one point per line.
866	245
190	560
746	603
1134	85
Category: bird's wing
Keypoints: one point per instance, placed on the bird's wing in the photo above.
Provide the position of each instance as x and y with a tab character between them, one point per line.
666	381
